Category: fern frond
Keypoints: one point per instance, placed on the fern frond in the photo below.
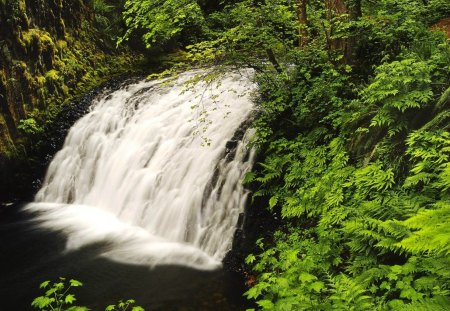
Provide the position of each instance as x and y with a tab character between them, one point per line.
429	304
346	292
433	231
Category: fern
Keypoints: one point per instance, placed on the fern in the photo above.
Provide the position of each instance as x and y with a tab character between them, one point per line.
434	304
431	231
346	294
359	172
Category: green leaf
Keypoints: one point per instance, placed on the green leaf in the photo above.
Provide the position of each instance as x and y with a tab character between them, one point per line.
70	299
42	302
317	286
265	304
75	283
283	282
44	284
273	201
306	277
250	259
77	308
249	177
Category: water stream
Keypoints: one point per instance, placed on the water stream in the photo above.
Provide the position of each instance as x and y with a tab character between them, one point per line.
148	173
141	202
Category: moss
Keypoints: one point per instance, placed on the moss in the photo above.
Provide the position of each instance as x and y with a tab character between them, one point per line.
6	144
39	43
34	35
50	69
60	65
40	81
52	75
23	65
27	75
42	93
66	90
47	43
15	11
61	46
2	79
54	83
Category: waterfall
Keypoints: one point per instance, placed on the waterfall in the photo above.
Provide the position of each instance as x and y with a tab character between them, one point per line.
147	172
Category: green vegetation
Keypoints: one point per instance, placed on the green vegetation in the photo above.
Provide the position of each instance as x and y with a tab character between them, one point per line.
52	52
353	132
356	161
58	297
161	21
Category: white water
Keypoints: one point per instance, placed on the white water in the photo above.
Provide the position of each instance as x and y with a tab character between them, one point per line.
134	174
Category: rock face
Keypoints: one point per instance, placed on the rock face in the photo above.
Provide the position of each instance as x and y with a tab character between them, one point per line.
49	49
50	52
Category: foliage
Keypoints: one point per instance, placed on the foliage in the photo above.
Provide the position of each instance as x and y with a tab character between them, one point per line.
58	297
161	21
30	127
353	137
356	161
239	32
352	132
108	19
124	305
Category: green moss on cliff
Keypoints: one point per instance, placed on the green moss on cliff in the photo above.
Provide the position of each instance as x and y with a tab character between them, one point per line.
45	64
51	52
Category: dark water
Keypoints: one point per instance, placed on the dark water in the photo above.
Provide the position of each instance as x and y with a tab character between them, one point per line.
29	256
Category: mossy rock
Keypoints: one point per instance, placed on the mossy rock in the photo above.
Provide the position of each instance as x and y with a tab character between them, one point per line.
2	78
54	81
39	43
61	46
40	81
39	37
43	62
42	94
66	90
15	15
52	75
6	144
23	65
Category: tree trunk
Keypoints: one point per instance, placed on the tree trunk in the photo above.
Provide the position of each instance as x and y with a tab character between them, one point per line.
303	20
336	10
343	10
355	13
354	8
273	60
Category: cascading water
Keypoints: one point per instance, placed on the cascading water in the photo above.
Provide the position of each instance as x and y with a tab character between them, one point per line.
147	175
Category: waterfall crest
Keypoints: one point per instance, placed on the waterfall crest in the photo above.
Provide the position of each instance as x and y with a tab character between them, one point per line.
147	172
